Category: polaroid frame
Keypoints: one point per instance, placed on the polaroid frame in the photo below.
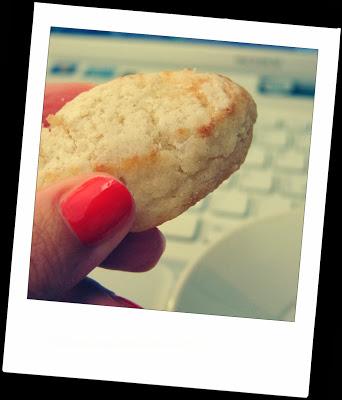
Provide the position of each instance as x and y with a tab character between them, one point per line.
157	347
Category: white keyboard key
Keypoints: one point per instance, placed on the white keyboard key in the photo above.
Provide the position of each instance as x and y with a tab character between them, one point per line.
256	181
291	161
299	127
270	121
279	122
232	203
256	157
303	142
276	138
272	205
294	186
182	250
216	224
184	227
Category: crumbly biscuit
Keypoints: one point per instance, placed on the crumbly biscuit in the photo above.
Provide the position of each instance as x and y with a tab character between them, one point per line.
170	137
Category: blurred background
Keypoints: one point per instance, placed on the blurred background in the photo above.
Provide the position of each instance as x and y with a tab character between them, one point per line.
205	267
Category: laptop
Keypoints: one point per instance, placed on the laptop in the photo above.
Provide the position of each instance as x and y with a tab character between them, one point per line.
271	182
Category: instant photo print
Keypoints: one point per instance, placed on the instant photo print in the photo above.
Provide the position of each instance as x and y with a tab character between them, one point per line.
230	301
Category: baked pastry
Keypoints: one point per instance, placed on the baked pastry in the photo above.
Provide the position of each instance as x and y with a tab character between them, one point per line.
170	137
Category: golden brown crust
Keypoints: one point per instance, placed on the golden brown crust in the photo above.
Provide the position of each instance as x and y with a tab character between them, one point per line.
130	164
209	129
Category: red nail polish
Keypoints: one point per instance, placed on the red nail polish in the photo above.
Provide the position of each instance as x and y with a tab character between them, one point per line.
96	207
126	303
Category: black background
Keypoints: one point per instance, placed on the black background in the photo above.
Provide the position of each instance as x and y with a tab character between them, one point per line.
17	36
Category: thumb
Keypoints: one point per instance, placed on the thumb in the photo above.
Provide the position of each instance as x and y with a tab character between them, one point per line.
77	224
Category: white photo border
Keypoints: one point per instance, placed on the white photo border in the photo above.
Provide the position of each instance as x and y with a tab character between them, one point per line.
156	347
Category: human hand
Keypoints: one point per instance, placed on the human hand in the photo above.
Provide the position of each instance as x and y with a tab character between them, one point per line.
81	223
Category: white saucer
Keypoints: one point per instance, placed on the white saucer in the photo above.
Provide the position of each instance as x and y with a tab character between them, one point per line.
252	272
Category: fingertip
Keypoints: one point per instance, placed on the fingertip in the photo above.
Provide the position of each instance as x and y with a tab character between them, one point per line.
99	208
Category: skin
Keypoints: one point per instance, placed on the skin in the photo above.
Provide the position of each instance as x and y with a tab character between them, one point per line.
59	261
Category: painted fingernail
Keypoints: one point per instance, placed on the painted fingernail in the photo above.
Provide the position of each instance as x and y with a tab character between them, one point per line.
94	209
125	303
